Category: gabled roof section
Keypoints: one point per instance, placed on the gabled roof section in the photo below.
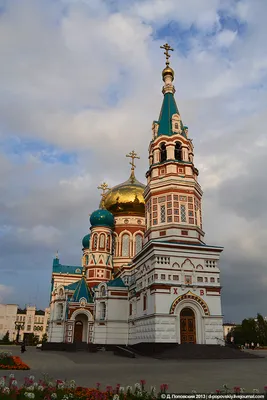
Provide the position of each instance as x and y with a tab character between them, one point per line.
72	286
82	290
118	282
168	109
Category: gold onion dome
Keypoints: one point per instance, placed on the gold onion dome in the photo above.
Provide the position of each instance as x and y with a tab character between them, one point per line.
126	198
168	71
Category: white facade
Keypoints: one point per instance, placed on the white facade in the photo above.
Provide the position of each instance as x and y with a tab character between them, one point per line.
8	313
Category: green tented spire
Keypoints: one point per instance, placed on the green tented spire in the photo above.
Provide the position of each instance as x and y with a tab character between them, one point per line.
168	109
169	106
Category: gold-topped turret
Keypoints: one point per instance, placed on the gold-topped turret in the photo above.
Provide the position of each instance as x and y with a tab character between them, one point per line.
167	70
127	198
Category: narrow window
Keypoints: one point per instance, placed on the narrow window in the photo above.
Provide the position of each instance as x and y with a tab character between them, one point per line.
102	310
125	246
102	241
162	213
176	125
103	291
86	259
131	309
178	151
108	242
183	213
163	152
95	241
138	243
144	302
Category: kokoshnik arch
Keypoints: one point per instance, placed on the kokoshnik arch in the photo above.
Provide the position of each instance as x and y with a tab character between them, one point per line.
146	273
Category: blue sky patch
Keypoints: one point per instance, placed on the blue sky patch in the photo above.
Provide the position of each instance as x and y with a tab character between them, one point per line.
47	153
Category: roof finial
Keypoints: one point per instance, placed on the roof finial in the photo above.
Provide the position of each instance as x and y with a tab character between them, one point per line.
133	155
103	187
57	255
167	48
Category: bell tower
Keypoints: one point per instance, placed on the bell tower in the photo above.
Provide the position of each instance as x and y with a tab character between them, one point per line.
173	194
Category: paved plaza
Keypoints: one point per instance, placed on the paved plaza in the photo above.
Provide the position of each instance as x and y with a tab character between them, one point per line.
104	367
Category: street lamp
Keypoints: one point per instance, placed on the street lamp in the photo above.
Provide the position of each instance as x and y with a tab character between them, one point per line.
18	327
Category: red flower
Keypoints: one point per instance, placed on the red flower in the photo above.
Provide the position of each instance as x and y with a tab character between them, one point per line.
218	391
163	387
237	389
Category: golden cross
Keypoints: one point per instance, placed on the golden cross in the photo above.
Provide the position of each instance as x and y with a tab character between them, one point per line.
103	187
167	48
133	155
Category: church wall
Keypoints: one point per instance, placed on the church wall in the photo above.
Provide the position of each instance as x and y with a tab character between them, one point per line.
153	328
113	329
56	333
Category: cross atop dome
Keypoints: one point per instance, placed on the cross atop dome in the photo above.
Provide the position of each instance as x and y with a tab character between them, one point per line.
167	48
104	187
133	155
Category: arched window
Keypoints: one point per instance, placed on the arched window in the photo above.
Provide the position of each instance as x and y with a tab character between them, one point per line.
103	291
163	152
125	246
138	243
86	259
95	241
178	151
176	125
108	242
102	241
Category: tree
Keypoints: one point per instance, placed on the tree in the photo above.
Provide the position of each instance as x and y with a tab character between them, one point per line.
250	330
5	338
262	330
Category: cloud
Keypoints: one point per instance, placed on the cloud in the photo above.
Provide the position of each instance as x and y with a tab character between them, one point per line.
80	86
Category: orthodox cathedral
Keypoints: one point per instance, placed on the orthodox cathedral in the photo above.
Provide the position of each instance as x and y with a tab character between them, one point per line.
146	273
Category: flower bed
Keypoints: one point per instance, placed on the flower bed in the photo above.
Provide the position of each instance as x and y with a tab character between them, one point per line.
7	361
49	389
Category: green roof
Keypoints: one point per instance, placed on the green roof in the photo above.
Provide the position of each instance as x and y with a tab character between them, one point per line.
118	282
66	269
168	109
82	290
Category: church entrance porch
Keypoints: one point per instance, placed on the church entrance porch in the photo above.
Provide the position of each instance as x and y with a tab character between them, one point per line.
187	326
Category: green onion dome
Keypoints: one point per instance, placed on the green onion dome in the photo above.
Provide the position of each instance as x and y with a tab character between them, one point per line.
86	241
102	217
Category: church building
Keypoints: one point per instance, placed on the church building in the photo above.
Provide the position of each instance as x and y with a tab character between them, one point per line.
146	273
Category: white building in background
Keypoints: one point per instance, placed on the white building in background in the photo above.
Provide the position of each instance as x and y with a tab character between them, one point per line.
26	321
33	321
8	315
146	275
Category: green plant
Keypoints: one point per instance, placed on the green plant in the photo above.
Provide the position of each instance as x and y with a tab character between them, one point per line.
5	338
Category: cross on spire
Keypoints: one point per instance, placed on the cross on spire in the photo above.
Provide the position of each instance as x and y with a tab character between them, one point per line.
133	155
103	187
167	48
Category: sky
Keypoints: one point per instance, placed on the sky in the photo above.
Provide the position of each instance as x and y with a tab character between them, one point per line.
80	84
